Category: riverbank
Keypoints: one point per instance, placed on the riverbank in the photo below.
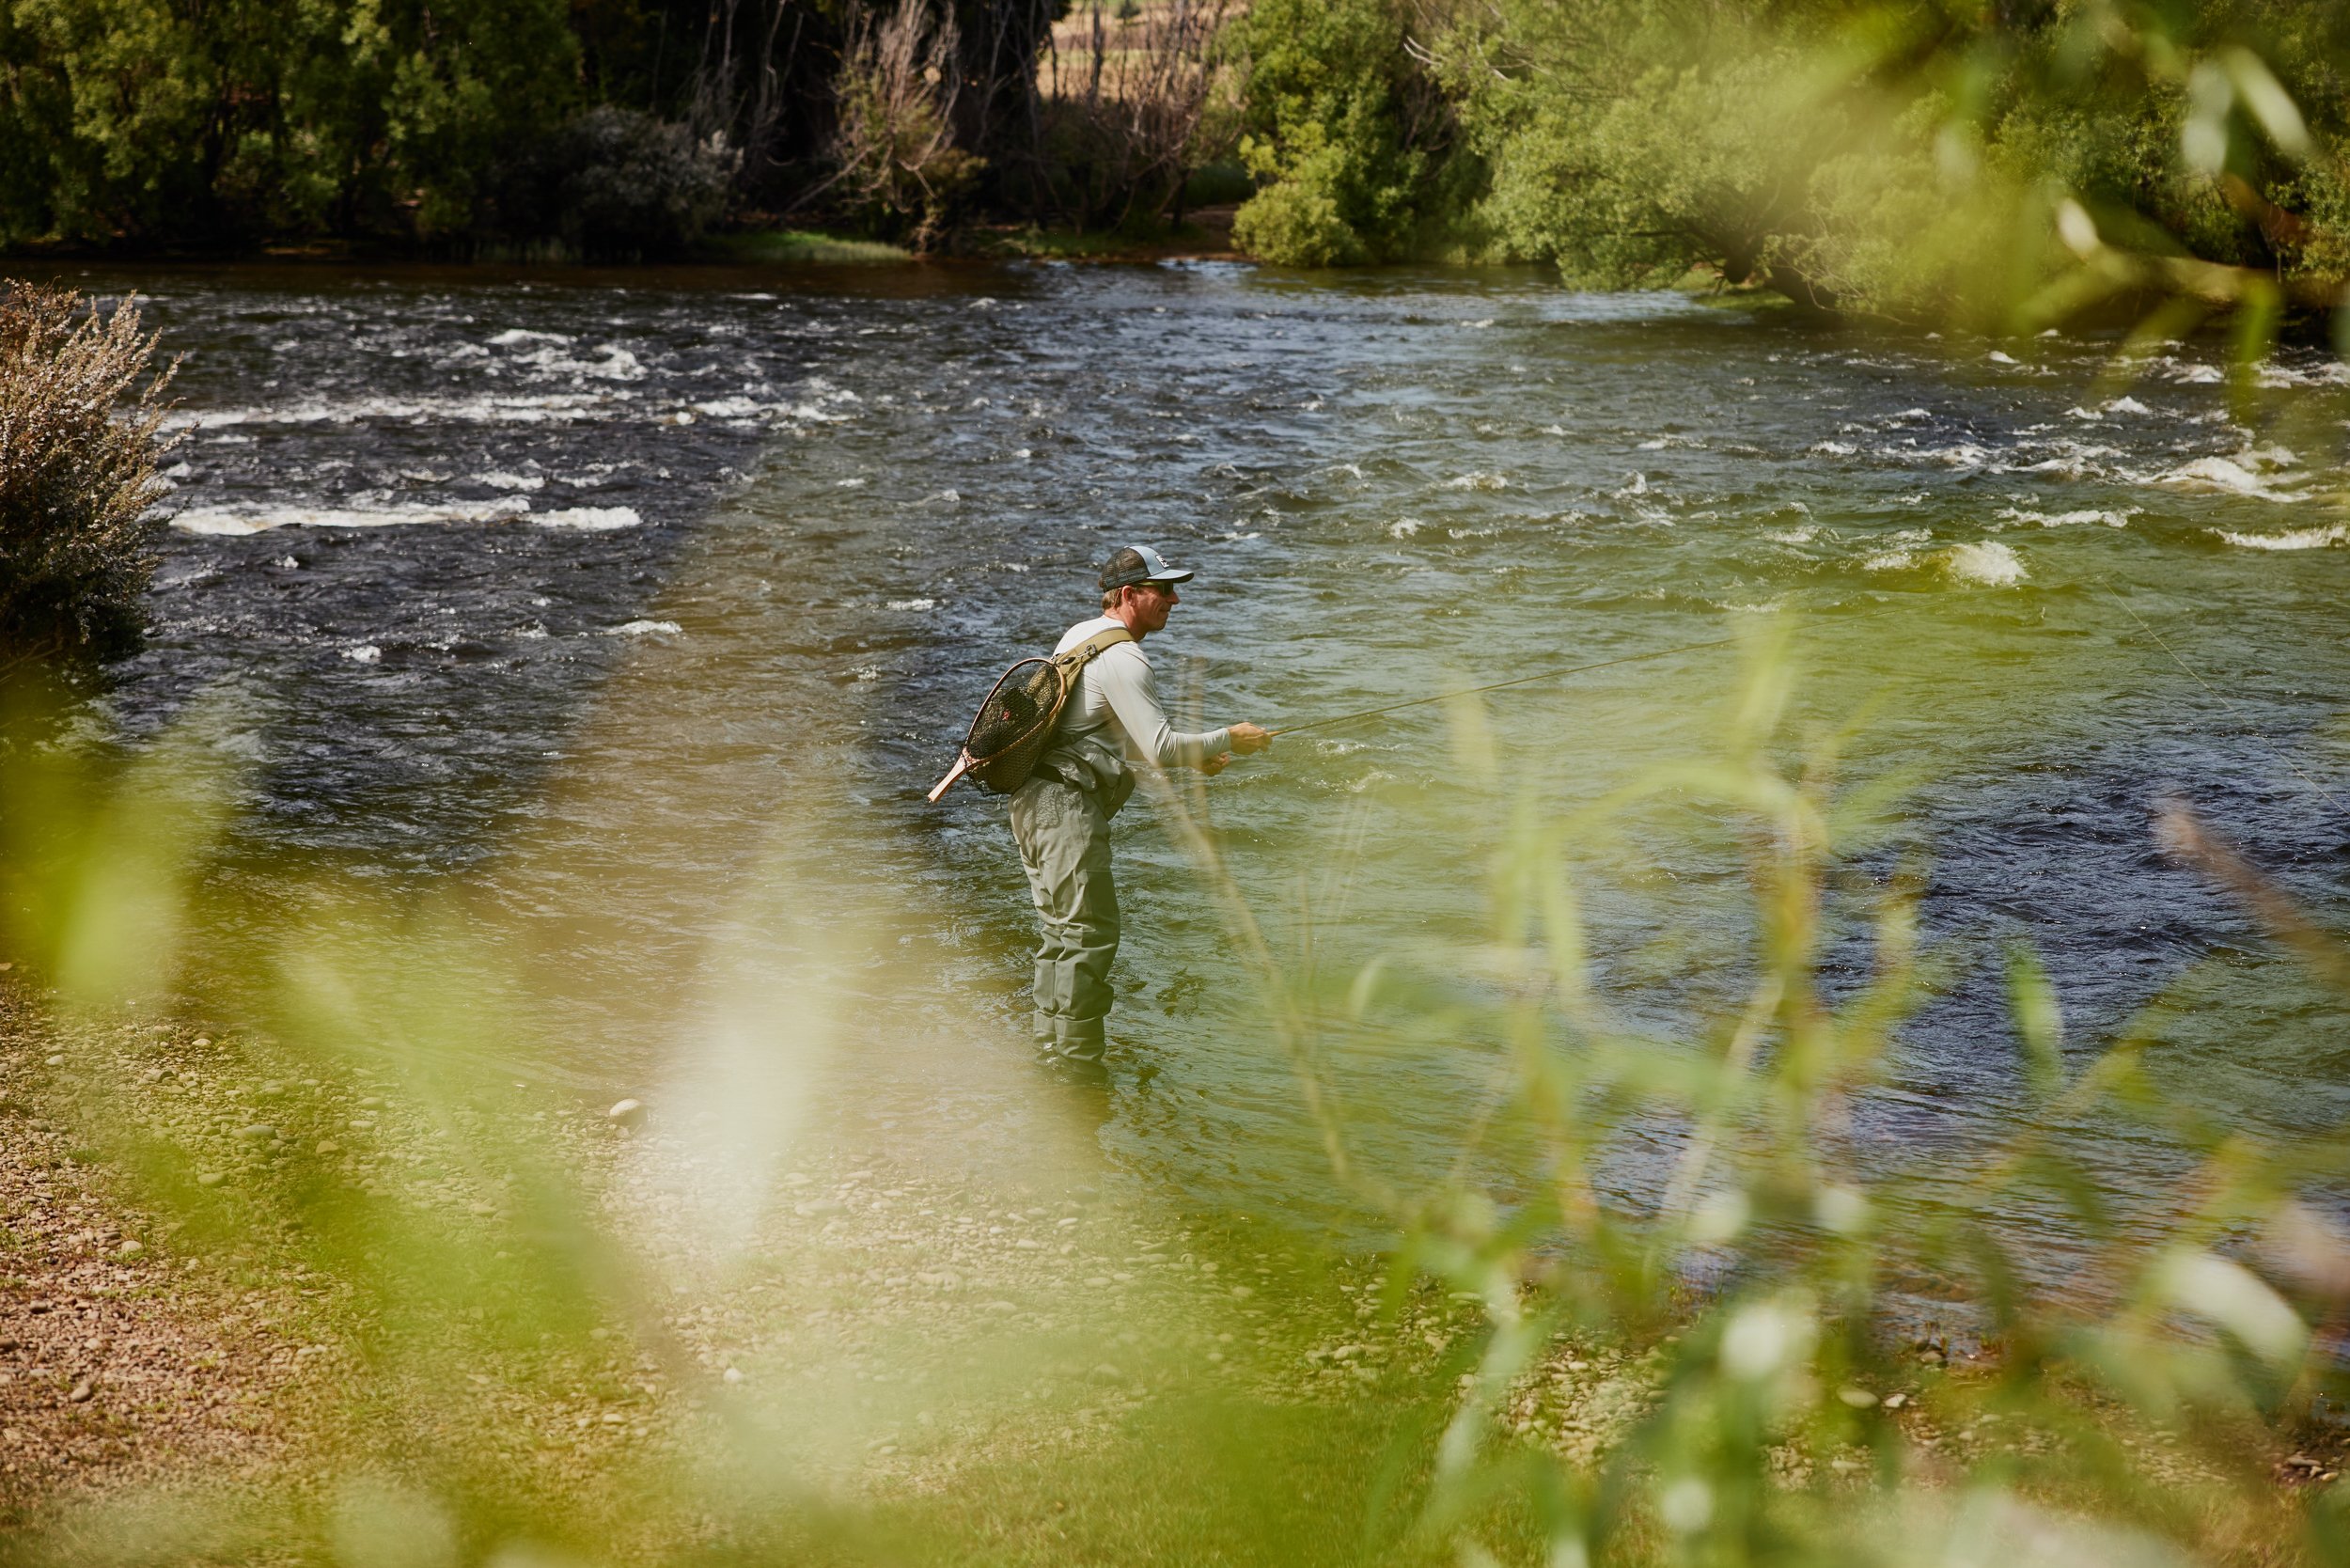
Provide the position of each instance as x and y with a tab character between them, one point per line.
356	1276
248	1310
1206	234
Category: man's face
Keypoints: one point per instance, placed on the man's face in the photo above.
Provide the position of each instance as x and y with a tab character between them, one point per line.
1151	602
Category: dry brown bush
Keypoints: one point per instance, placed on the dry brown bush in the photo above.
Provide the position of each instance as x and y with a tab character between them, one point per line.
79	420
897	167
1127	102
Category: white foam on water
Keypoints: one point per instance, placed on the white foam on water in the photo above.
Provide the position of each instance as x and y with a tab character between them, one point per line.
616	363
849	484
648	628
1997	357
1804	535
2297	538
510	481
2128	405
1990	564
913	604
515	337
2256	472
1890	560
531	409
593	519
2111	519
254	520
1478	479
729	408
366	654
1405	528
2198	375
1833	449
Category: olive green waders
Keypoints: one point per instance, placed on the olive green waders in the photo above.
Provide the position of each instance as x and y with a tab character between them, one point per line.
1065	837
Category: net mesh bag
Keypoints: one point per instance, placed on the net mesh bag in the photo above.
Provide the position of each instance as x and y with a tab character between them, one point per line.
1015	723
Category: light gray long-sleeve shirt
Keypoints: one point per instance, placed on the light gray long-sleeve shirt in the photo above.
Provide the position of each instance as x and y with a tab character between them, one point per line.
1116	691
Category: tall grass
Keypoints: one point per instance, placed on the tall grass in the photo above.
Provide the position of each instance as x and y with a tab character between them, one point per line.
1810	1351
1728	1363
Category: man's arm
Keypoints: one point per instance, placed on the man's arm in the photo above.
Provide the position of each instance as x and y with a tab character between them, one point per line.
1134	698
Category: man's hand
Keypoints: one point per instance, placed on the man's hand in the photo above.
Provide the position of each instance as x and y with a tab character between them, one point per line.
1216	763
1248	738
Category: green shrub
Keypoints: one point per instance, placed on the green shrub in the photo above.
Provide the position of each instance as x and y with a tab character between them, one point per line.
78	421
1348	140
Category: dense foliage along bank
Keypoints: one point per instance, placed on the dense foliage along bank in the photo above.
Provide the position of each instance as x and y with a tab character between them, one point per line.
608	128
2013	161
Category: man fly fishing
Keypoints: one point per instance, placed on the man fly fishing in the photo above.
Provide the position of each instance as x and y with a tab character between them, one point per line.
1112	721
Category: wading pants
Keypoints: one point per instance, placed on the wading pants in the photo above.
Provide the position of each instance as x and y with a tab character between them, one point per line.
1064	838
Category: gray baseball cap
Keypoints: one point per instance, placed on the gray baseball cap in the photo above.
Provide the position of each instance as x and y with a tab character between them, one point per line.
1138	563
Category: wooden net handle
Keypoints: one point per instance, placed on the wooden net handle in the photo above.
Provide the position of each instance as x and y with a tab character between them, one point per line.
963	765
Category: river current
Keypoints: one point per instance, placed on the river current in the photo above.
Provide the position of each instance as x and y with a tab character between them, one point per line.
632	615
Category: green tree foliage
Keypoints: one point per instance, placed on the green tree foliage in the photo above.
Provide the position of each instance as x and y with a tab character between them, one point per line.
151	120
1350	137
2010	163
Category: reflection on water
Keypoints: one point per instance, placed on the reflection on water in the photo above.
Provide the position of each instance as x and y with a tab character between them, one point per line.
645	608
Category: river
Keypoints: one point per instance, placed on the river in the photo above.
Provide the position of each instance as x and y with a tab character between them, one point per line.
628	616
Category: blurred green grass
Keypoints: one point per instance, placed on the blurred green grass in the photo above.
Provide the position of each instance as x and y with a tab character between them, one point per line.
540	1351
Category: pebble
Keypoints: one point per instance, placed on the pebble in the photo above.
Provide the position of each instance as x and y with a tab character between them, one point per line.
372	1102
328	1146
735	1374
1859	1399
626	1112
82	1392
259	1131
56	1061
130	1248
1895	1401
203	1041
1242	1293
207	1178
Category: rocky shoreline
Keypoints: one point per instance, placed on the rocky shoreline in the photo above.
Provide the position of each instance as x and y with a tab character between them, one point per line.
877	1326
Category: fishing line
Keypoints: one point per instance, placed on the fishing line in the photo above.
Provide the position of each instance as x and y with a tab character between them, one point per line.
2217	694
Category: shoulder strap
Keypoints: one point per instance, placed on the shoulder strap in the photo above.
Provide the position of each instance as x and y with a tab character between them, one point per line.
1085	652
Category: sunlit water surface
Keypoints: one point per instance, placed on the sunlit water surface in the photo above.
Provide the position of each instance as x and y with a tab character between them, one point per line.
644	608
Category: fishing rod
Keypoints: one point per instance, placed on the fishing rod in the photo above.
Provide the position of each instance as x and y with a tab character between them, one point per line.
1516	681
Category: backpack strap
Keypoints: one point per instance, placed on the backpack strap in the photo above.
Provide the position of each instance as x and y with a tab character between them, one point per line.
1087	650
